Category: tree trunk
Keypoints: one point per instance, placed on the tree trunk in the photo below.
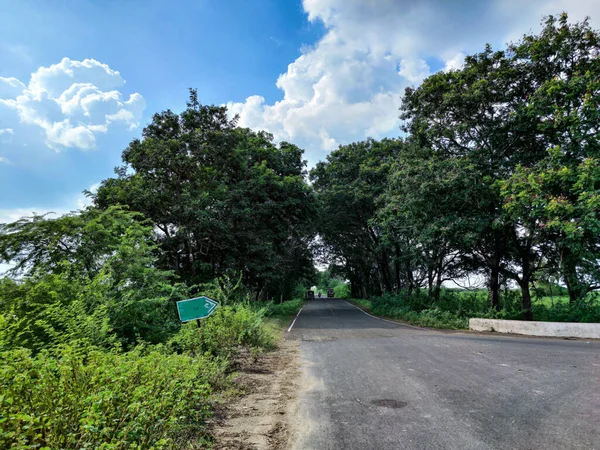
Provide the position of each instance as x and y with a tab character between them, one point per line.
383	268
438	280
569	271
363	291
524	284
494	285
409	277
430	281
397	268
494	282
526	296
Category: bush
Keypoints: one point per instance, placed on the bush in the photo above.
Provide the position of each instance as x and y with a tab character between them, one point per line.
47	311
435	317
342	291
285	309
454	308
224	332
78	398
562	311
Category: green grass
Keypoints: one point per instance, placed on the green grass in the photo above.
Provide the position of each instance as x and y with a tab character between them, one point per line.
286	309
430	318
278	315
455	307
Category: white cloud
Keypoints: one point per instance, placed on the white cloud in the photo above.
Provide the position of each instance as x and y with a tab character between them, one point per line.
4	160
10	88
68	104
5	268
349	84
414	70
454	63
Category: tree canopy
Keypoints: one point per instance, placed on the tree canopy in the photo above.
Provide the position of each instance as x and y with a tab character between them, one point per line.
222	198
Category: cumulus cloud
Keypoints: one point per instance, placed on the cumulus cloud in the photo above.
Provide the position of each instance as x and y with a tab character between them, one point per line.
68	104
455	62
349	84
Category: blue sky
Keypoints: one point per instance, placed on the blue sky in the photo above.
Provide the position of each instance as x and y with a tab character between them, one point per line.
319	73
228	53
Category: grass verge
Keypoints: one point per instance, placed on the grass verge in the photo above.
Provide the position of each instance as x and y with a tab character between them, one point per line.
430	318
454	308
278	315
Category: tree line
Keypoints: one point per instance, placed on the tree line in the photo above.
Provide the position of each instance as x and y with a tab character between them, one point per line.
497	175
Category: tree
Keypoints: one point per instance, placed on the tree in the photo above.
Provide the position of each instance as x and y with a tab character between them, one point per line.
557	193
432	211
88	275
223	198
348	184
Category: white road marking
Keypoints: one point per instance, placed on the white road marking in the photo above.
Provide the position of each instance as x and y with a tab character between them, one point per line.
385	320
290	328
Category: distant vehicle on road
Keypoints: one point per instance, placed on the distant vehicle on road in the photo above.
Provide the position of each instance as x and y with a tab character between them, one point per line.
330	293
310	295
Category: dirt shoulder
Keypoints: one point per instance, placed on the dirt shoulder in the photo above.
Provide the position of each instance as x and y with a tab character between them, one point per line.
260	418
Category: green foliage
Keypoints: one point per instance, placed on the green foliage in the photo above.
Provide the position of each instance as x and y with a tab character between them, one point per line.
224	332
299	291
77	398
227	289
454	308
66	381
222	198
348	185
341	290
498	176
285	309
74	286
48	311
586	310
327	280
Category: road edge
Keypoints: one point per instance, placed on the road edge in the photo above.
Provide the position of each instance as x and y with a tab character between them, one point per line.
397	322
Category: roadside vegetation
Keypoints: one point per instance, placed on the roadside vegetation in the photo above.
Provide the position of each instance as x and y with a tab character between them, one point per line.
497	177
454	308
93	353
497	180
329	280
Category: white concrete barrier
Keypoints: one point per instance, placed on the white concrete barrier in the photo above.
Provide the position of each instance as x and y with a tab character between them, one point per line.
558	329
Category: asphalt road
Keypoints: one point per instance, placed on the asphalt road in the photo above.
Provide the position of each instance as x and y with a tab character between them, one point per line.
370	384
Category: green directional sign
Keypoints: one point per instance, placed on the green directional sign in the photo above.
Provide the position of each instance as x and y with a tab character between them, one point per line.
196	308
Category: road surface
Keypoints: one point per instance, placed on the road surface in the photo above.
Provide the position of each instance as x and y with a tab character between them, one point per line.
371	384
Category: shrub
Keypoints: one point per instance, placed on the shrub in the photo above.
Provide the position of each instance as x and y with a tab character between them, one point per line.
454	308
47	311
224	332
342	291
79	397
285	309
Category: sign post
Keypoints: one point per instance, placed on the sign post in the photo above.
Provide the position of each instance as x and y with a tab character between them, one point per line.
196	309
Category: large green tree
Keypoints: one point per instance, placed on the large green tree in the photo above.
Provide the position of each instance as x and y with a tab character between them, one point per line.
432	210
555	198
88	275
348	185
222	198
